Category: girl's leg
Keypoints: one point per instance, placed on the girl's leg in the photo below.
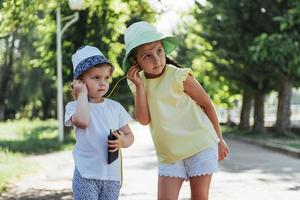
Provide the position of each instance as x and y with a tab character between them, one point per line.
200	187
169	187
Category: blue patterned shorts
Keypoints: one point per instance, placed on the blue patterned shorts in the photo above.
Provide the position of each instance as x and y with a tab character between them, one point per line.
203	163
93	189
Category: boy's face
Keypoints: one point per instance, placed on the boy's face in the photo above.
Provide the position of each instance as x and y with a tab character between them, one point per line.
151	58
97	81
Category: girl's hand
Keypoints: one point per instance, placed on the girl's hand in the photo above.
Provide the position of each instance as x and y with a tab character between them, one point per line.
115	145
223	150
133	75
79	87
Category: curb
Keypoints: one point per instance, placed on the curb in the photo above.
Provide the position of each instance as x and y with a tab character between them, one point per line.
290	151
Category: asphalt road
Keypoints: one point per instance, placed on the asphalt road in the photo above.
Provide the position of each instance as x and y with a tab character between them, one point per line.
250	172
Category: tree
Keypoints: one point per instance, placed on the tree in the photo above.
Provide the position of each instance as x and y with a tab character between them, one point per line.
280	50
231	26
27	46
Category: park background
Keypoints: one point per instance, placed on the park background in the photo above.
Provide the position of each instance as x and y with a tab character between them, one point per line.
244	53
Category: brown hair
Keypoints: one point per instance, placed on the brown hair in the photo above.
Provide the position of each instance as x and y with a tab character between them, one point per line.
172	62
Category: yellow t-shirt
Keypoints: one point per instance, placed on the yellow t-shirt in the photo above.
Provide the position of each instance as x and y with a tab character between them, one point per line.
179	126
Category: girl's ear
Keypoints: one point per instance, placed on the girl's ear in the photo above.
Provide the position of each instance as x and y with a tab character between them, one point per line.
131	60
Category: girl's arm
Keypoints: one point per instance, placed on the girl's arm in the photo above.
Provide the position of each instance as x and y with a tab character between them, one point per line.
141	106
199	95
142	113
81	116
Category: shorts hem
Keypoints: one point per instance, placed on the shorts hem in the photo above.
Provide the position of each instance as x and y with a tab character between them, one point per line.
163	175
203	174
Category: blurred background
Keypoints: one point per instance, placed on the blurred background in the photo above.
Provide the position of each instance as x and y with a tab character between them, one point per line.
245	53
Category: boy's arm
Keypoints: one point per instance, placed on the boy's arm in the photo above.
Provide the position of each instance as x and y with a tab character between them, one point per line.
124	139
127	136
81	116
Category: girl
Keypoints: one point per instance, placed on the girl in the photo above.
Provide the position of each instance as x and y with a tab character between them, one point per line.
94	116
183	122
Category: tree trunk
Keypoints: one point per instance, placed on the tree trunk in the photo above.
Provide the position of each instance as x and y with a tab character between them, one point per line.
259	99
1	112
283	121
245	110
6	73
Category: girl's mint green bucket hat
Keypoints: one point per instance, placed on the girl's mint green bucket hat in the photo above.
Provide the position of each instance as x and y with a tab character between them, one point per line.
141	33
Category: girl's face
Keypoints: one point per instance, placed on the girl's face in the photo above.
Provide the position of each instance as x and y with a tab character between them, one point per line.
97	82
151	58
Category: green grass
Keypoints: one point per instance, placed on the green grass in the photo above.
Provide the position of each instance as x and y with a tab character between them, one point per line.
20	138
12	167
290	139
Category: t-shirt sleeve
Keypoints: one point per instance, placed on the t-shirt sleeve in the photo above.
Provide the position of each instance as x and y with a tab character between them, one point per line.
181	75
70	110
124	117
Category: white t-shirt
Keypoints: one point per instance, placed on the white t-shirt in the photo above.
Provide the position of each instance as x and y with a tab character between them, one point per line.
90	151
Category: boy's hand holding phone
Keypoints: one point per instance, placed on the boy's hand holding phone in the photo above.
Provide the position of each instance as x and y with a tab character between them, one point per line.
114	144
114	140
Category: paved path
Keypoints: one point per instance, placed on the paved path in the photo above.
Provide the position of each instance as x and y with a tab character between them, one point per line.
250	172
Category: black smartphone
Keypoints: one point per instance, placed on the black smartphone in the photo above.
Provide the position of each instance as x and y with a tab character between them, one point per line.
112	156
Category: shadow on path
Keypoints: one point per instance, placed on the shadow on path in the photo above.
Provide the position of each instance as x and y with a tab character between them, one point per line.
39	194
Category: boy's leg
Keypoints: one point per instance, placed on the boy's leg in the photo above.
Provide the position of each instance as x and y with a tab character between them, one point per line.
110	190
200	187
169	187
84	188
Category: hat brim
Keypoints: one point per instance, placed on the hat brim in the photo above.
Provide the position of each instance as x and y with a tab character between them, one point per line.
169	44
90	62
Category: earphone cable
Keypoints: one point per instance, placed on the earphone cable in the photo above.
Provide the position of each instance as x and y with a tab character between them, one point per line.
112	90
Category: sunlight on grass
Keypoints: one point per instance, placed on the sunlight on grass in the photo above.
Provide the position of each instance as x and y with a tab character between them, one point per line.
290	139
20	138
36	136
12	167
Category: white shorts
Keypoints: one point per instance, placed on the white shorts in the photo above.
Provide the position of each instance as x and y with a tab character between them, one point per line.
203	163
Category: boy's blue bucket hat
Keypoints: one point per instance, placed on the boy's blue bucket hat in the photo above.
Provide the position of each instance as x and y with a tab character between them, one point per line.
141	33
87	57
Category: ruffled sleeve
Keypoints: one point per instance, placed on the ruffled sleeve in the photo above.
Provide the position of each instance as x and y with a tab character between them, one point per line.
181	75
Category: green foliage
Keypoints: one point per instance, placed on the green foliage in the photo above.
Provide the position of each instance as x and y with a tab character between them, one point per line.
280	50
196	52
230	27
28	30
